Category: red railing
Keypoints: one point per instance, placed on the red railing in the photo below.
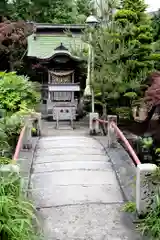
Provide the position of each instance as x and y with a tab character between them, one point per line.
123	138
19	144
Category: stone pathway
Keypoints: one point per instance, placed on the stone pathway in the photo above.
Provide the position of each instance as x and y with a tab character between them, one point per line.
76	191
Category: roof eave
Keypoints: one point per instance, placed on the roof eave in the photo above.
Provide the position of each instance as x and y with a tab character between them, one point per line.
40	26
57	53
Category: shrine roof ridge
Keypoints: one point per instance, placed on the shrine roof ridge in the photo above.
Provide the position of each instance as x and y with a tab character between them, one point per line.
59	26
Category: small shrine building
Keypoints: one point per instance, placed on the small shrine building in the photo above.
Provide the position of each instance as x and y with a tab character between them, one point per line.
53	51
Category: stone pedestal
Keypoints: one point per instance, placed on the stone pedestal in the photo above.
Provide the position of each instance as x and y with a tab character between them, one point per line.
93	124
144	188
112	136
9	168
27	138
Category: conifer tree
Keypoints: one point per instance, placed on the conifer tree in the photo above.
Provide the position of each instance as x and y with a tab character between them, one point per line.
109	79
140	36
156	25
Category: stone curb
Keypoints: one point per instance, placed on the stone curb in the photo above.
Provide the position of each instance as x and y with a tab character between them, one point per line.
25	162
124	168
23	165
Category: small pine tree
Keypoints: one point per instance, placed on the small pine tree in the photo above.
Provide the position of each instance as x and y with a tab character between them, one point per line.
156	25
140	36
110	80
156	46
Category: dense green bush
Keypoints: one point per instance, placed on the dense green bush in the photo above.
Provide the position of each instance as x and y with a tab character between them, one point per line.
16	212
16	91
18	96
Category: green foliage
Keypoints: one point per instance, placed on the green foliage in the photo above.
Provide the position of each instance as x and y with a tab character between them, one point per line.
16	212
5	160
17	97
147	142
84	9
131	95
55	11
157	151
110	76
139	36
156	26
3	7
129	207
155	176
16	91
155	56
12	128
150	225
124	112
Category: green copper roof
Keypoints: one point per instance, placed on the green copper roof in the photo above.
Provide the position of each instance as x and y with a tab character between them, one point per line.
43	45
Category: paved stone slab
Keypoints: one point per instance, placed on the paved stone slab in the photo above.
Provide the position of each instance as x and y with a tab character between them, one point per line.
67	144
75	188
76	194
78	139
71	165
66	137
74	178
70	157
71	151
87	222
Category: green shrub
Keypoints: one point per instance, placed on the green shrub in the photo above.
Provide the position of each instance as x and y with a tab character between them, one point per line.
10	128
17	90
5	160
124	112
150	225
129	207
16	212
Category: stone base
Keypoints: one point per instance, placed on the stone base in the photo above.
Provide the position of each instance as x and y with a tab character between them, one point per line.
144	188
93	125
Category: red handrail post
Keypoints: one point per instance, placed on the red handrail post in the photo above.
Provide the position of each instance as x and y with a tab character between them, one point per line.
19	144
127	144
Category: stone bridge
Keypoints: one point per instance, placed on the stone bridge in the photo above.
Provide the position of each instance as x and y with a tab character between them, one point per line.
76	191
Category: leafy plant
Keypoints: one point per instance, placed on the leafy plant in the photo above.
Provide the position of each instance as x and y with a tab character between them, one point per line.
4	160
129	207
11	126
150	225
16	212
147	142
17	90
155	176
131	95
124	112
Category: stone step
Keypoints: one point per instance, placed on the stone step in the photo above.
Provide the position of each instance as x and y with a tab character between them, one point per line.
76	194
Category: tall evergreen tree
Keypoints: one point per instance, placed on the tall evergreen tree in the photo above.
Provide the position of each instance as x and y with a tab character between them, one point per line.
4	9
52	11
84	9
139	36
156	25
156	45
109	79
